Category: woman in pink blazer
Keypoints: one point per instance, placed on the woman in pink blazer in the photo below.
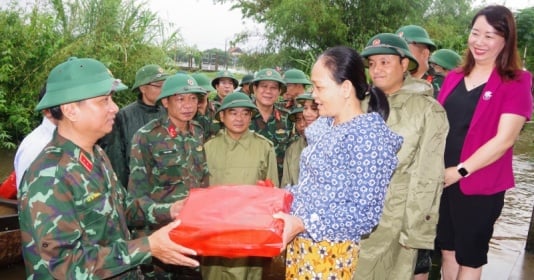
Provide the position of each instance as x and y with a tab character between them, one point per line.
487	101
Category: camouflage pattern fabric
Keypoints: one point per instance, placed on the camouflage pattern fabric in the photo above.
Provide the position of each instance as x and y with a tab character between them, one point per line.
435	79
74	217
165	163
209	123
278	129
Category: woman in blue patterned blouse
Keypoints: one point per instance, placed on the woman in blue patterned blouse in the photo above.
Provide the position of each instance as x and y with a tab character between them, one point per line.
344	171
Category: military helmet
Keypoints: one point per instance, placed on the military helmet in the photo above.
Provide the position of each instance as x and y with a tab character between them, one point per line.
180	84
78	79
246	79
388	43
304	97
296	76
203	81
149	74
224	74
299	108
446	58
416	34
268	74
237	100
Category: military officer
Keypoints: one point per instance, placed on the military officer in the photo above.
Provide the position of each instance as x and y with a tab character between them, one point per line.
206	108
421	46
167	156
73	212
117	144
271	122
225	83
245	85
237	155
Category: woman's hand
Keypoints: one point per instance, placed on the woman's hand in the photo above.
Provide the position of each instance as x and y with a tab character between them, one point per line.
451	176
293	225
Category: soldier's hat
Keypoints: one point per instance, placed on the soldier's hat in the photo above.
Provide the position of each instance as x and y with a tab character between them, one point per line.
416	34
268	74
180	84
224	74
304	97
446	58
246	79
149	74
203	81
388	43
296	76
78	79
237	100
299	106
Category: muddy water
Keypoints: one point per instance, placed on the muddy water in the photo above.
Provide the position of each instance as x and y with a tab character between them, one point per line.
510	230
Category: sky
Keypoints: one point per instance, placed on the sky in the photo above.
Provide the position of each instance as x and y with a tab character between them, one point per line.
207	25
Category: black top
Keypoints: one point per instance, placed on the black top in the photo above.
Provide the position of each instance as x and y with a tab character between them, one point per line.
460	106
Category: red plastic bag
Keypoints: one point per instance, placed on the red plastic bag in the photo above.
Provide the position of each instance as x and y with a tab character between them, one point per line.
8	188
233	221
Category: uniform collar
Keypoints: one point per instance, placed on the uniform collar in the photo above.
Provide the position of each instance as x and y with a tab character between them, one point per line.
244	141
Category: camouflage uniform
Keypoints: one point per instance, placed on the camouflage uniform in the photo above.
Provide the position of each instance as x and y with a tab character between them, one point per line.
210	125
435	79
74	214
165	163
278	129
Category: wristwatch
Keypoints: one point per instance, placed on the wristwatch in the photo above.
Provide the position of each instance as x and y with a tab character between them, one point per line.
461	169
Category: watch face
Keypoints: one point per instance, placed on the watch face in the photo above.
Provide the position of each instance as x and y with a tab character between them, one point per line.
463	171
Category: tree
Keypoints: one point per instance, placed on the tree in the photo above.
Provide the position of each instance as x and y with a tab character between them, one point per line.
525	36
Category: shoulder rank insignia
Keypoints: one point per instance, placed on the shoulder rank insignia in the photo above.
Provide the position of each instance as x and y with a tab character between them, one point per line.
85	162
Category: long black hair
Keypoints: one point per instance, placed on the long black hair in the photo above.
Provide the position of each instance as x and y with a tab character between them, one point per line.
346	64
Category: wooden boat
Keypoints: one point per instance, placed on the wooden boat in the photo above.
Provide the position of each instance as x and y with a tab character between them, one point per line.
10	239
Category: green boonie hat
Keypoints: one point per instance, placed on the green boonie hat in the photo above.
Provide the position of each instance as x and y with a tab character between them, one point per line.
237	100
180	84
299	108
224	74
416	34
247	79
268	74
446	58
149	74
203	81
296	76
78	79
304	97
388	43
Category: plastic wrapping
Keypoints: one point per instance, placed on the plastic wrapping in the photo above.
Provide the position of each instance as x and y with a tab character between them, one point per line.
233	221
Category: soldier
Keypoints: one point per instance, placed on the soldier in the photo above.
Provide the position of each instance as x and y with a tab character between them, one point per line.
237	155
444	60
206	108
304	113
245	85
271	122
167	156
408	223
296	83
73	212
117	144
225	83
421	46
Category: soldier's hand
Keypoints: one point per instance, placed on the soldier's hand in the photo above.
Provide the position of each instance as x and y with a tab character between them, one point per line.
163	248
177	207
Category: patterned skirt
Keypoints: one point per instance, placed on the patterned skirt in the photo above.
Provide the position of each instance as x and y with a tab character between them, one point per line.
306	259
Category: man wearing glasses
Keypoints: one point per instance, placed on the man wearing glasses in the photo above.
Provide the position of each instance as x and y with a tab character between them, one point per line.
148	82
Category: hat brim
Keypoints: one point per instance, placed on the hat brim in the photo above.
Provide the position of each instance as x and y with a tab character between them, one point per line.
161	77
424	41
54	98
294	113
372	50
216	81
237	104
297	81
185	90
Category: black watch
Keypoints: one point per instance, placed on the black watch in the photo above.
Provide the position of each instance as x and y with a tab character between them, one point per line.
461	169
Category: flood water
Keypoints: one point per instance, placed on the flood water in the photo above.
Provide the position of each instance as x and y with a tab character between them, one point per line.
510	230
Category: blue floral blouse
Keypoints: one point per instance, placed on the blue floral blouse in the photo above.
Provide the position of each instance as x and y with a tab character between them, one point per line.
344	174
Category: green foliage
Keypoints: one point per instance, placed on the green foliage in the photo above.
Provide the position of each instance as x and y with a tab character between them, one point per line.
525	39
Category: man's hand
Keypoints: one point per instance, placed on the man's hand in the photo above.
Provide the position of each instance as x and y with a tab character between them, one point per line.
177	207
163	248
293	225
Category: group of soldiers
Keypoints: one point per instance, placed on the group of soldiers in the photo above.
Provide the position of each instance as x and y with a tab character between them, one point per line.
173	138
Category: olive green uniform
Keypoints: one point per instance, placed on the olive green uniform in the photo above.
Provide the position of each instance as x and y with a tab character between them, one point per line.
291	162
243	161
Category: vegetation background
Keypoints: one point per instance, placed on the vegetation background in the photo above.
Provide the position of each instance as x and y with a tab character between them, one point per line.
126	34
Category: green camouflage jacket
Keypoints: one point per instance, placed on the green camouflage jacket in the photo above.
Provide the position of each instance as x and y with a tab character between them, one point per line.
209	123
278	129
117	144
435	79
74	217
166	163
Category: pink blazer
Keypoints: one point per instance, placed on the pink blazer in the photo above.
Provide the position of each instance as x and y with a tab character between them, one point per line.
498	97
